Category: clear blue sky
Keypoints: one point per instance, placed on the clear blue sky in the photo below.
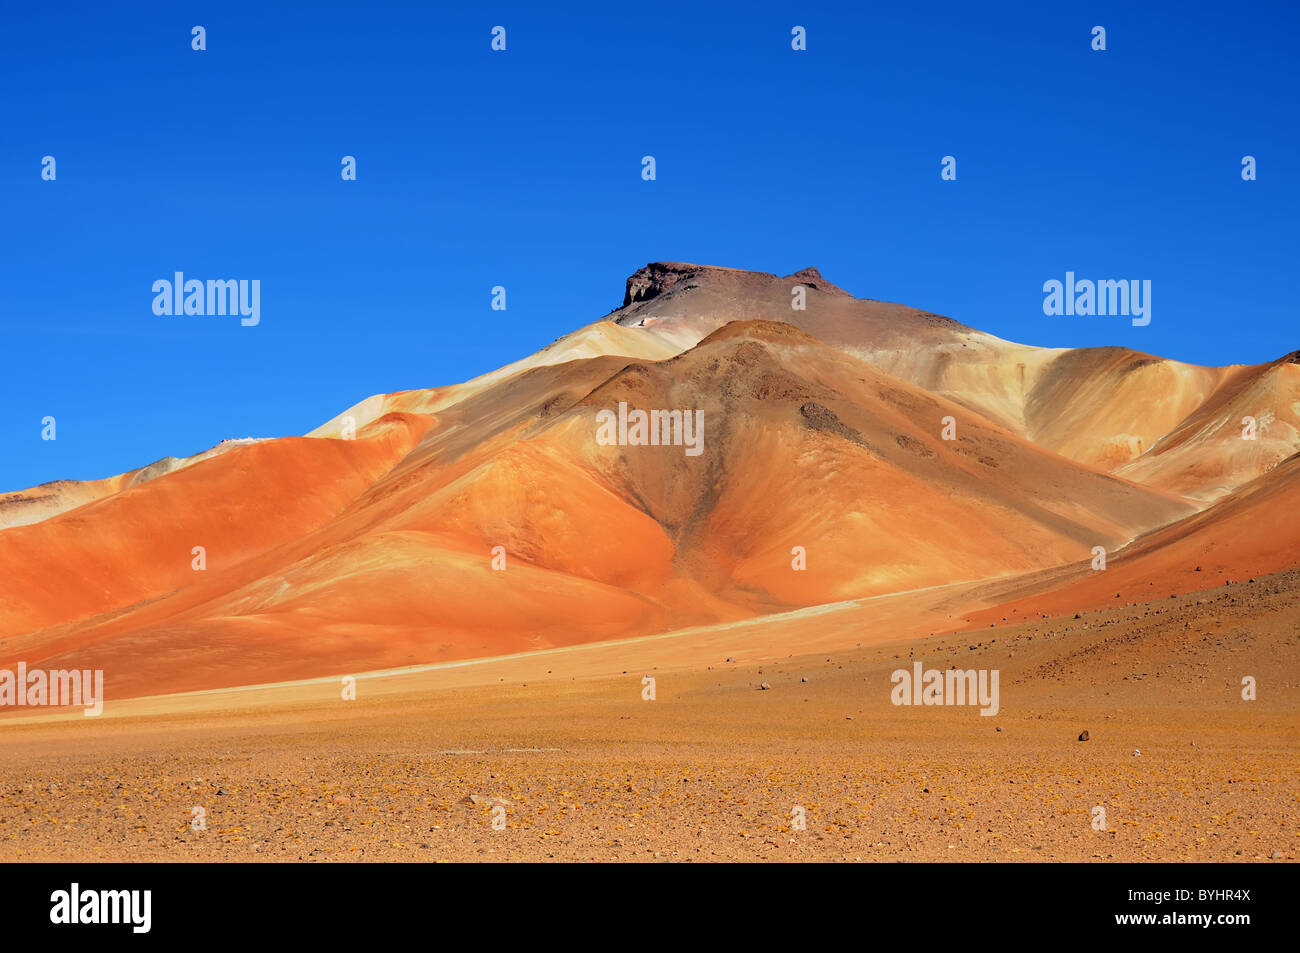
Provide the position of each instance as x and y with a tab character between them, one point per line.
522	169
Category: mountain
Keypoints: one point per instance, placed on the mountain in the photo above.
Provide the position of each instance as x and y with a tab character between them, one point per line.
847	449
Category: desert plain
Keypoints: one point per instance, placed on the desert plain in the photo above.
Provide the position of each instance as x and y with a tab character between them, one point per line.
711	769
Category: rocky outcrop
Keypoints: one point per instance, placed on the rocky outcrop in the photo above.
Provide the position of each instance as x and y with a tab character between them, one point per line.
656	278
660	277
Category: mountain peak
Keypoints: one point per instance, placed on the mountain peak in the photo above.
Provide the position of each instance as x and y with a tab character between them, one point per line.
659	277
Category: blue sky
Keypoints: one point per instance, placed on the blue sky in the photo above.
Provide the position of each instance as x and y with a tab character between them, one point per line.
522	169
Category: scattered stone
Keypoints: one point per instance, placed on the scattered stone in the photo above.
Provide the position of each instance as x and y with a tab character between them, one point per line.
764	687
1084	736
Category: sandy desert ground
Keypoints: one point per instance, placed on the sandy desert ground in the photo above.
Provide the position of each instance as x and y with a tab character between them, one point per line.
712	768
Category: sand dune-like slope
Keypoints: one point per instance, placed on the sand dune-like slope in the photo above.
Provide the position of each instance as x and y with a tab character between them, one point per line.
1248	426
24	507
138	544
1252	532
595	340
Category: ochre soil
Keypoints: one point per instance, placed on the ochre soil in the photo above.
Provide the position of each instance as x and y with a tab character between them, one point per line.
712	768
